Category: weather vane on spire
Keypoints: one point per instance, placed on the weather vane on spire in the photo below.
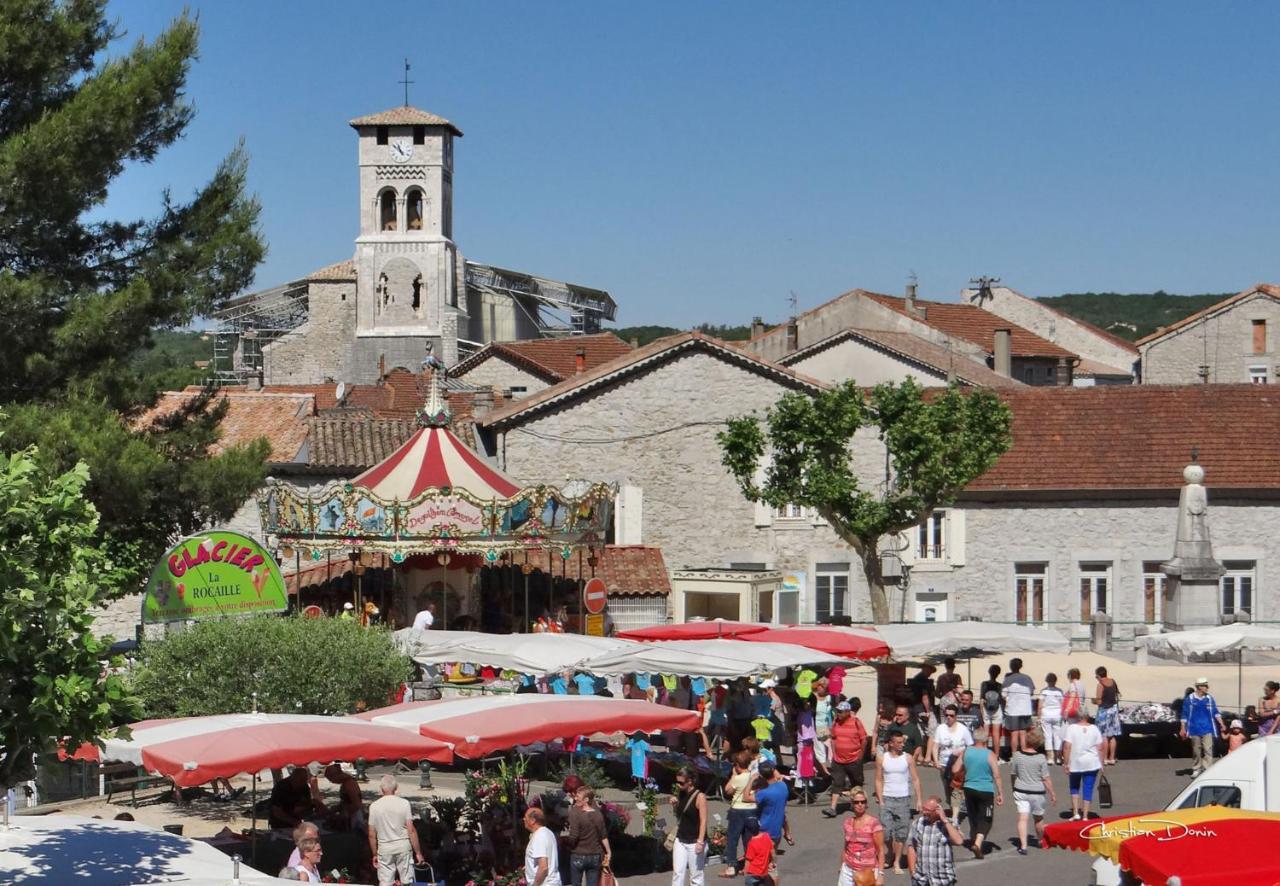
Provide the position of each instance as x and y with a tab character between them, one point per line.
407	82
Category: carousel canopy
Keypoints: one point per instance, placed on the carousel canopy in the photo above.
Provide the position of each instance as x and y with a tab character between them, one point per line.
434	494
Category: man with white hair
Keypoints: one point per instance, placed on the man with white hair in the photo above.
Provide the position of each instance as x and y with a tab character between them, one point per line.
392	835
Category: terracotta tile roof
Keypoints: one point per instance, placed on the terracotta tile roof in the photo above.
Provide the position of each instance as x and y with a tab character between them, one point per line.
355	442
973	324
404	116
340	272
634	360
399	394
1118	437
553	359
280	418
913	349
626	569
1263	288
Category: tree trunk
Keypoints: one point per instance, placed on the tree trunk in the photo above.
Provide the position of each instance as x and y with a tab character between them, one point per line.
875	585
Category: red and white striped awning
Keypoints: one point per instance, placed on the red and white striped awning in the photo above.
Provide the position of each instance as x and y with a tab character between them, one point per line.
435	458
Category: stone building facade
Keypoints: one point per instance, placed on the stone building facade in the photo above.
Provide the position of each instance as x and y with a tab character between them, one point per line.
1234	341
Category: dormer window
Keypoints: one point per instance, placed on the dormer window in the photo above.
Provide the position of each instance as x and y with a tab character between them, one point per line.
387	210
413	209
419	135
382	135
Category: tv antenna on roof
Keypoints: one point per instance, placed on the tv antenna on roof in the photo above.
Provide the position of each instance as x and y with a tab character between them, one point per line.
983	292
794	301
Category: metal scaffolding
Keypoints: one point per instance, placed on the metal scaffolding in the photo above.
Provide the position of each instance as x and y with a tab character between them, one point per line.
250	322
586	307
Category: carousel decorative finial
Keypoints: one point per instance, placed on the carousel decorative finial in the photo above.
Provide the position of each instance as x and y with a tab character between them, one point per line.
435	413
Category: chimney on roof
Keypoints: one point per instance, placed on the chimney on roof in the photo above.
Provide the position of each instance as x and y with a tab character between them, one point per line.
635	342
1002	352
382	366
255	381
757	327
482	402
1062	375
580	361
793	336
911	297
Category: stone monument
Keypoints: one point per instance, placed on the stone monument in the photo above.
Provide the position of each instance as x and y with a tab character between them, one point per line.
1192	591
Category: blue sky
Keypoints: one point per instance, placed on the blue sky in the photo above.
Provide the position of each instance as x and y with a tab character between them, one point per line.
702	160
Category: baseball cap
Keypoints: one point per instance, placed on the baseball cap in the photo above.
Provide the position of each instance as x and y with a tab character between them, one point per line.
844	706
1203	681
348	605
1236	724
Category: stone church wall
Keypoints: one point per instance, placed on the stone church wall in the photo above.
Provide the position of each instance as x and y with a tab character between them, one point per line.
319	348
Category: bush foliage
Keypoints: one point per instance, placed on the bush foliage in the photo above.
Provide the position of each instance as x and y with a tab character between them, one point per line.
296	665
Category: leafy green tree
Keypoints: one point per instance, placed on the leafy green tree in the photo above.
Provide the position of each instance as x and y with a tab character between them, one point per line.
54	571
936	445
87	293
295	665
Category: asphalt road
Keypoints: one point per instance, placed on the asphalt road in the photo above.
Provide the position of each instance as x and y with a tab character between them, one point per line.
1138	786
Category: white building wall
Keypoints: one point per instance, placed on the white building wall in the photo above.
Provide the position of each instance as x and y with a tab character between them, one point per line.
496	372
853	360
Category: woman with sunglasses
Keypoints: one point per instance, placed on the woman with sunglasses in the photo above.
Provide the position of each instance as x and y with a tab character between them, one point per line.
863	861
690	850
945	747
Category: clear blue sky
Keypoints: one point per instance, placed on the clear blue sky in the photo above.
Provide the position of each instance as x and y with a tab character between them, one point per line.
700	160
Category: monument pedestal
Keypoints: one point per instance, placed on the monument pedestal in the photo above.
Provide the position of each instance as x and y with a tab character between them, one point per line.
1191	603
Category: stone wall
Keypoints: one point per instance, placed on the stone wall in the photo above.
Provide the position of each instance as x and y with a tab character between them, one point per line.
496	372
664	423
1057	327
1224	341
319	349
864	364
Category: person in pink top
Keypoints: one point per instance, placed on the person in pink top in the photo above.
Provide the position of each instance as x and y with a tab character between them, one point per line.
863	859
835	680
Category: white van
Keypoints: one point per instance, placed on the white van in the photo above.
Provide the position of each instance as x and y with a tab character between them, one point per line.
1248	778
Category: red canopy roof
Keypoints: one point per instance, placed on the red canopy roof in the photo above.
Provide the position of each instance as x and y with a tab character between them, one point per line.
435	458
694	630
833	640
1193	855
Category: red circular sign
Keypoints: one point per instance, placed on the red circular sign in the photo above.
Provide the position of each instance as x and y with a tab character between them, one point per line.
313	611
594	596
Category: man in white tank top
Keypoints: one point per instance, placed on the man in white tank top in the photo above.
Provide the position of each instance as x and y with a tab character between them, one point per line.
896	778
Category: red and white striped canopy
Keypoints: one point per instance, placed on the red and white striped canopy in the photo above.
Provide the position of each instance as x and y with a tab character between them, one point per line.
487	724
194	750
434	458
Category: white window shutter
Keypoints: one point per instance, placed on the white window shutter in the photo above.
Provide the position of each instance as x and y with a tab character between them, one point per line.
955	536
628	525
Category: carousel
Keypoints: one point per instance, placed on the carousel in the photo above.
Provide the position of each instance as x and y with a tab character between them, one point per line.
435	522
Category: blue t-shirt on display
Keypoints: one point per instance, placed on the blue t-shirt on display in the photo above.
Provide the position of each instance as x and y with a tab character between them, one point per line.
559	687
639	757
771	808
698	685
642	681
586	684
762	703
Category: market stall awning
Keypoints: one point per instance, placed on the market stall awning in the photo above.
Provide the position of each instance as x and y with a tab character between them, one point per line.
833	640
1184	854
714	629
958	639
724	659
1105	837
195	750
1208	641
523	653
55	850
479	726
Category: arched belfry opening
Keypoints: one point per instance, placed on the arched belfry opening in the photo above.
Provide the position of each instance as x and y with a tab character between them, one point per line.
387	211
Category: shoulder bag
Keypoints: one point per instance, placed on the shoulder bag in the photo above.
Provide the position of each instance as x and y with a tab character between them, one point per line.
1104	792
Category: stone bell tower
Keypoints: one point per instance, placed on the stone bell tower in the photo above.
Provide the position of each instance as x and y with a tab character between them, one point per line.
406	260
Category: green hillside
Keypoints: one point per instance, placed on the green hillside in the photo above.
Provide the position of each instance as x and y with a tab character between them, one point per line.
645	334
1131	315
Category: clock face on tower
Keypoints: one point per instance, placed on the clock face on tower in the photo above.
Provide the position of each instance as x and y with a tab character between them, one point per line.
401	149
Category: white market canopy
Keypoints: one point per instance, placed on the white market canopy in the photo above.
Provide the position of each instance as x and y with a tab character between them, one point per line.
939	639
523	653
1208	641
724	659
54	850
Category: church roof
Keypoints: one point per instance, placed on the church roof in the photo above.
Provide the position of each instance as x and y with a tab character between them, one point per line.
341	271
911	348
404	116
635	361
1137	437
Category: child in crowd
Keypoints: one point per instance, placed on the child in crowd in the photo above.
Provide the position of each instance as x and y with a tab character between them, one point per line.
1236	735
759	854
806	734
